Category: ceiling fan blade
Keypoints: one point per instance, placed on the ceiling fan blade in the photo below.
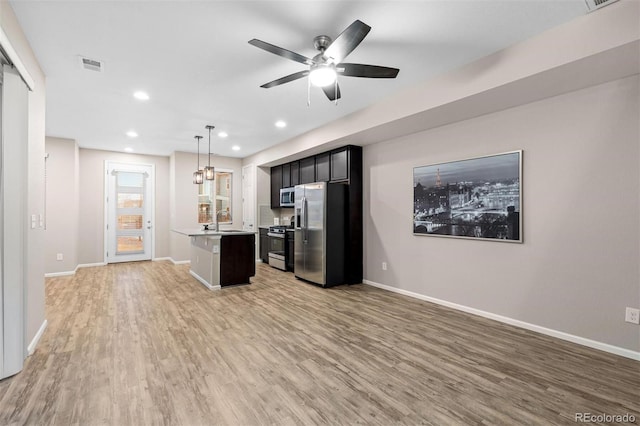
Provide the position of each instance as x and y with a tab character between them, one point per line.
368	71
286	79
332	91
348	40
280	51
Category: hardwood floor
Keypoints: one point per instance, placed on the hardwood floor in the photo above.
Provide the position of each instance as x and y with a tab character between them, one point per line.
145	343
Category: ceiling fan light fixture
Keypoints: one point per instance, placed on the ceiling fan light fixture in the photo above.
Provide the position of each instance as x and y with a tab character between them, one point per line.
323	75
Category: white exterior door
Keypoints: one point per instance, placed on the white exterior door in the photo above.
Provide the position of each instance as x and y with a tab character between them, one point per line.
129	206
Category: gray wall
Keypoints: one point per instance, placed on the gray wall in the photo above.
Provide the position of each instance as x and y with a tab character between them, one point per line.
62	182
578	267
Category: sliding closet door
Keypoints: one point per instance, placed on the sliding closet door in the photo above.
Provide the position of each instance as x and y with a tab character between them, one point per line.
13	199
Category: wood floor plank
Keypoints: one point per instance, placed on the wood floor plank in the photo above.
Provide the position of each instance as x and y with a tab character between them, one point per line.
145	344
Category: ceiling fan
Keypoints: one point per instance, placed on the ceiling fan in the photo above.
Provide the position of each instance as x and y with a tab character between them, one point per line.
326	66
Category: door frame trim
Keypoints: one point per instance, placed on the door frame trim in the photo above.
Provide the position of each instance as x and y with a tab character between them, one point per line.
105	194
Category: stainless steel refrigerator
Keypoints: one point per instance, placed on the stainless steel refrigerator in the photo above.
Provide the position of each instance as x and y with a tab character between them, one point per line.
320	233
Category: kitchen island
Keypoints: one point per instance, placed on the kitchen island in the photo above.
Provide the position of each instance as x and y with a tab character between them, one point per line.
221	258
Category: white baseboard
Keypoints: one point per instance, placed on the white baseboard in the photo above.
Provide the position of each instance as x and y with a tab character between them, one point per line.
59	274
158	259
34	342
82	265
90	265
204	282
179	262
627	353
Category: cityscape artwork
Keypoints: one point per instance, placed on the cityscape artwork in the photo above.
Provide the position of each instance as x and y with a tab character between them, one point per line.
477	198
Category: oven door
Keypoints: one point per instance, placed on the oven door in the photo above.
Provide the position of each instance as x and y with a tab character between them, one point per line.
276	250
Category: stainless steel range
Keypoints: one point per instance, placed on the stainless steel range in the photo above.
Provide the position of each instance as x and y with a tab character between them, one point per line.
277	243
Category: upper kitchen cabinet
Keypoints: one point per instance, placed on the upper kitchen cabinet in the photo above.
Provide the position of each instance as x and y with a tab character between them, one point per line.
276	185
295	173
286	175
307	170
340	164
322	167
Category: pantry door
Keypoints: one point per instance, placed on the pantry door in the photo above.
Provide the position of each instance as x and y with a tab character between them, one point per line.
129	207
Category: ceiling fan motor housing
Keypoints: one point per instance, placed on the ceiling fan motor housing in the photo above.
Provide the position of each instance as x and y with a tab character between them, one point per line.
321	42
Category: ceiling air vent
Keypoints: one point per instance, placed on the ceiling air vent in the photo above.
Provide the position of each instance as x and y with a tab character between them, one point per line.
91	64
597	4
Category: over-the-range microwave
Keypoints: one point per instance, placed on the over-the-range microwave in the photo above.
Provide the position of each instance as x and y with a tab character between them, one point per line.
287	197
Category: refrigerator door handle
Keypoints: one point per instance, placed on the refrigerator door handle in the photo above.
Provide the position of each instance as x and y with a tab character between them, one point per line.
303	219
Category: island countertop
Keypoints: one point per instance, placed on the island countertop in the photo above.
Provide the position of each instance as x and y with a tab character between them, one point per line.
195	232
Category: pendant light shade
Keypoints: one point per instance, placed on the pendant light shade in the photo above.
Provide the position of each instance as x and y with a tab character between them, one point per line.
198	175
209	170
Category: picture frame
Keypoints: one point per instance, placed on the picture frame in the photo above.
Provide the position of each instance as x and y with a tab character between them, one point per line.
477	198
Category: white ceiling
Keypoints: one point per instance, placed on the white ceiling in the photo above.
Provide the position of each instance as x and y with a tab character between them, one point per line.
193	59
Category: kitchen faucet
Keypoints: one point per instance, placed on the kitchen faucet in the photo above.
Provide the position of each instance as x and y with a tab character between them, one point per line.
217	219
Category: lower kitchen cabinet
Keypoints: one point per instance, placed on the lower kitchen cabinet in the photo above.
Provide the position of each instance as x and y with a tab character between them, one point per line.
264	245
290	249
237	259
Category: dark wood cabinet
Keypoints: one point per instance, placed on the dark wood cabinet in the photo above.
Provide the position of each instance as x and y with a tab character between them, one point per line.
354	252
286	175
276	185
322	167
295	173
264	245
289	255
237	259
308	170
340	164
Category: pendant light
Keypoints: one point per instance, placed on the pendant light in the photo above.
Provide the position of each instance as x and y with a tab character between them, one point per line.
209	171
197	175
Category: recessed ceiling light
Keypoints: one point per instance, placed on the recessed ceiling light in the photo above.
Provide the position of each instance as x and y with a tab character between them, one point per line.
128	149
223	134
235	148
140	95
132	134
281	124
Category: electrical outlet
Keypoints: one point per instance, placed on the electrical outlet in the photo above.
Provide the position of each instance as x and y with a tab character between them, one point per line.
384	266
59	256
632	315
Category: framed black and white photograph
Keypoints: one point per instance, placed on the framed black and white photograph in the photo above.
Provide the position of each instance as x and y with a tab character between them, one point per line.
477	198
